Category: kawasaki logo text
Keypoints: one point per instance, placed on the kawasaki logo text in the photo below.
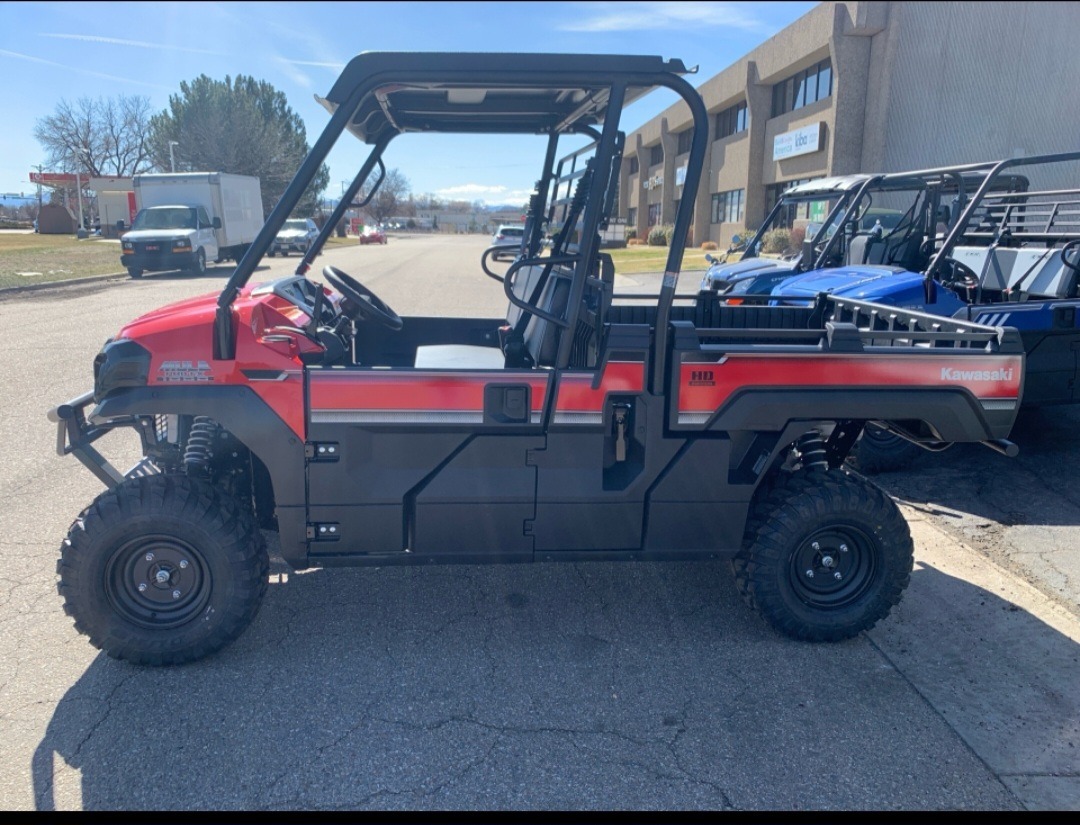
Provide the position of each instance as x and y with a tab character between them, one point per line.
950	374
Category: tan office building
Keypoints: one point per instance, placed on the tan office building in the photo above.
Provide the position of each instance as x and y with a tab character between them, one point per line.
862	87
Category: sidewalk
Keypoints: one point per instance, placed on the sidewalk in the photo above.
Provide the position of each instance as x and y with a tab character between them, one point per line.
998	661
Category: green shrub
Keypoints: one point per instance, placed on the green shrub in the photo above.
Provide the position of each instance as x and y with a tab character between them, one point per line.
776	241
657	236
669	233
631	234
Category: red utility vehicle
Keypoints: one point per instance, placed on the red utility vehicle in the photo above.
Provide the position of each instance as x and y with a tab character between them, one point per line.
582	424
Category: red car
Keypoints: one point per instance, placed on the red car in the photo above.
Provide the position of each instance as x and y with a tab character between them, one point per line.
372	235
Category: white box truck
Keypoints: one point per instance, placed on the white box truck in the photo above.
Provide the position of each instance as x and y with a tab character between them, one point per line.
186	219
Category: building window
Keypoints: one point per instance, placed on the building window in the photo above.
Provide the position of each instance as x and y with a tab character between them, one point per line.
803	88
631	216
793	212
633	165
728	207
656	155
732	120
686	137
654	214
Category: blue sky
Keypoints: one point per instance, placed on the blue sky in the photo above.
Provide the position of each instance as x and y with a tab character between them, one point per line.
54	51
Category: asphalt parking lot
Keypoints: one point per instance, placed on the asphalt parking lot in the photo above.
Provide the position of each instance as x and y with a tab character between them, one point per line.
573	686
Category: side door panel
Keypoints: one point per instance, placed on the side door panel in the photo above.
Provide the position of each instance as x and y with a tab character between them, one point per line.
427	461
590	491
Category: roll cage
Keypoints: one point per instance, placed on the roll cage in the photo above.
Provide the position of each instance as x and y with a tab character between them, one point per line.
381	95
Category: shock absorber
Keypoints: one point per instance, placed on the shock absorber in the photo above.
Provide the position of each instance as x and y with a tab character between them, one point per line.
811	451
200	445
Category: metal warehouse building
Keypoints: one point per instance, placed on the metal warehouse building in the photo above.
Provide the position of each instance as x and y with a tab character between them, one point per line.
863	87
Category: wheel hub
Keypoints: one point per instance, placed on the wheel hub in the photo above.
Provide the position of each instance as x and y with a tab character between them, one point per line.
832	567
158	581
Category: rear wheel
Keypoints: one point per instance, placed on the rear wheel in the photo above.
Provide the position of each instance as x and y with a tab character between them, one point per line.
163	570
134	272
827	555
879	451
272	253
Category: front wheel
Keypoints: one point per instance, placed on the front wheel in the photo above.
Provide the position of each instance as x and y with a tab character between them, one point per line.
199	266
134	272
827	555
163	570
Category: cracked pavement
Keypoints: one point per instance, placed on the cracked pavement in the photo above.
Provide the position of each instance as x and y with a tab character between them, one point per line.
575	686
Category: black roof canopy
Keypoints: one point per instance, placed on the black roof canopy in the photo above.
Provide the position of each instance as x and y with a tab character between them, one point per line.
488	92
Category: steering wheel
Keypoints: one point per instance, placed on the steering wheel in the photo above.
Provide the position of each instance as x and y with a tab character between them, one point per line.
1074	247
961	274
361	304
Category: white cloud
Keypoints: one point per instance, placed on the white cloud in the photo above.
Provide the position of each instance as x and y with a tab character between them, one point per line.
140	44
288	67
81	70
337	67
633	16
481	192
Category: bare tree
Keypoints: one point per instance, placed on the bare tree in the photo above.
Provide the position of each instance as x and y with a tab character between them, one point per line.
102	137
391	196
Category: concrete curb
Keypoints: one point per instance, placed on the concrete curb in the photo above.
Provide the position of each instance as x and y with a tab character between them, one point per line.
92	279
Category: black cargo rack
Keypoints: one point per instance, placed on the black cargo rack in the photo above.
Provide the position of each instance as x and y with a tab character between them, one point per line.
846	324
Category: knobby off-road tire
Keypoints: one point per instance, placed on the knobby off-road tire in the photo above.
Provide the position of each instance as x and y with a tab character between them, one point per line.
827	555
879	451
163	570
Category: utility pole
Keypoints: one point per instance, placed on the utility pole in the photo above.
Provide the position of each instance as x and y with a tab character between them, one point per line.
39	192
78	192
172	159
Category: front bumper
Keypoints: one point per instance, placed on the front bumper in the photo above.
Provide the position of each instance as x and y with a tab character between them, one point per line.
289	246
76	432
159	261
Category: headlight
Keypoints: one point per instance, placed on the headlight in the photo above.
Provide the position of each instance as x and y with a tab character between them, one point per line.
128	246
182	244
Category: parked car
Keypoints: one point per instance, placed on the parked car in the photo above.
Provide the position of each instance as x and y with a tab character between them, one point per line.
297	235
508	236
372	234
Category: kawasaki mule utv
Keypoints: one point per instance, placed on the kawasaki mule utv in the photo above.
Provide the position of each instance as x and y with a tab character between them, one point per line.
582	424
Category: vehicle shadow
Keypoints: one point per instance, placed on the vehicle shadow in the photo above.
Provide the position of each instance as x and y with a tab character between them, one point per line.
1036	487
1003	679
550	686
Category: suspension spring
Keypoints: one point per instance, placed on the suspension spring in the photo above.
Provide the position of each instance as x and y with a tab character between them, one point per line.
200	445
811	451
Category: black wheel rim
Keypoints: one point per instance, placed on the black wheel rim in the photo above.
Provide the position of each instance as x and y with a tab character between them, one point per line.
833	566
158	581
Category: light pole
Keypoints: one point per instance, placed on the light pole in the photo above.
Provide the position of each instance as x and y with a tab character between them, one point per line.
172	160
348	221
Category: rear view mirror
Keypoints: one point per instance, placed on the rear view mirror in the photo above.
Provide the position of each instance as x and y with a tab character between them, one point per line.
120	225
736	240
217	223
710	258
